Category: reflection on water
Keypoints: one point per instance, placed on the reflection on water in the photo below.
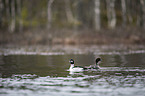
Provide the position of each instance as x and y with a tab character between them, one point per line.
45	73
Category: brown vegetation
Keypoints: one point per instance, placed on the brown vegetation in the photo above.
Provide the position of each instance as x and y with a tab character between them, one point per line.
74	37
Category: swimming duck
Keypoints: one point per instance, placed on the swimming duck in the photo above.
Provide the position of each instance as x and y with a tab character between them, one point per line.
96	66
80	68
75	68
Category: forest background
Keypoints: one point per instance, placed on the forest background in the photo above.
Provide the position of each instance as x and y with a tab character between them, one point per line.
47	22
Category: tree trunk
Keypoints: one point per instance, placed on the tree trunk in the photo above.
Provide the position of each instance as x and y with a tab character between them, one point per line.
8	13
69	14
19	15
111	13
142	2
129	11
123	4
13	17
97	15
49	14
1	9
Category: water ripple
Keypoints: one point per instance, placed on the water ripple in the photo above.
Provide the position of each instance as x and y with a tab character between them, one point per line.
105	83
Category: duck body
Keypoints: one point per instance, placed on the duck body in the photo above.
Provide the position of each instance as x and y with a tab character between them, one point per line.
94	67
76	68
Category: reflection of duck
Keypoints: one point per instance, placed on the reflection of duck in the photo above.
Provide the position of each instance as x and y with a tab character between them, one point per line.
80	68
76	73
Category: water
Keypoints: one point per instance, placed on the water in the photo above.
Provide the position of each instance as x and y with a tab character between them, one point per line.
36	71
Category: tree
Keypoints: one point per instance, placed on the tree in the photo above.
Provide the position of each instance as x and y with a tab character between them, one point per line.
49	17
129	11
123	5
97	15
1	9
142	2
13	16
68	11
19	15
8	13
111	13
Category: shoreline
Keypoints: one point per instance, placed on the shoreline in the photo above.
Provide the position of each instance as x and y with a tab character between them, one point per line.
74	37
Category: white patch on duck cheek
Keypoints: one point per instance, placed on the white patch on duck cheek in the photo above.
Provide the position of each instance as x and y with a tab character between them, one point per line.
71	61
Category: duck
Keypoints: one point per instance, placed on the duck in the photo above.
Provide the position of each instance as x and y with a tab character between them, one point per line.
80	68
75	68
96	66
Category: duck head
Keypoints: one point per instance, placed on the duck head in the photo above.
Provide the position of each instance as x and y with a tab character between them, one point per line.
71	61
97	60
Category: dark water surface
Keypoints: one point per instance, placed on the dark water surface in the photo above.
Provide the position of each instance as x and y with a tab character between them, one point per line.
36	71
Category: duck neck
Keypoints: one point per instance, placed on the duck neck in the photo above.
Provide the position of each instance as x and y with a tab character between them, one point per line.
71	65
97	63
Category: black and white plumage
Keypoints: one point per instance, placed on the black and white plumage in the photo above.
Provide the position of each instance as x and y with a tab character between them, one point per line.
96	66
75	68
80	68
